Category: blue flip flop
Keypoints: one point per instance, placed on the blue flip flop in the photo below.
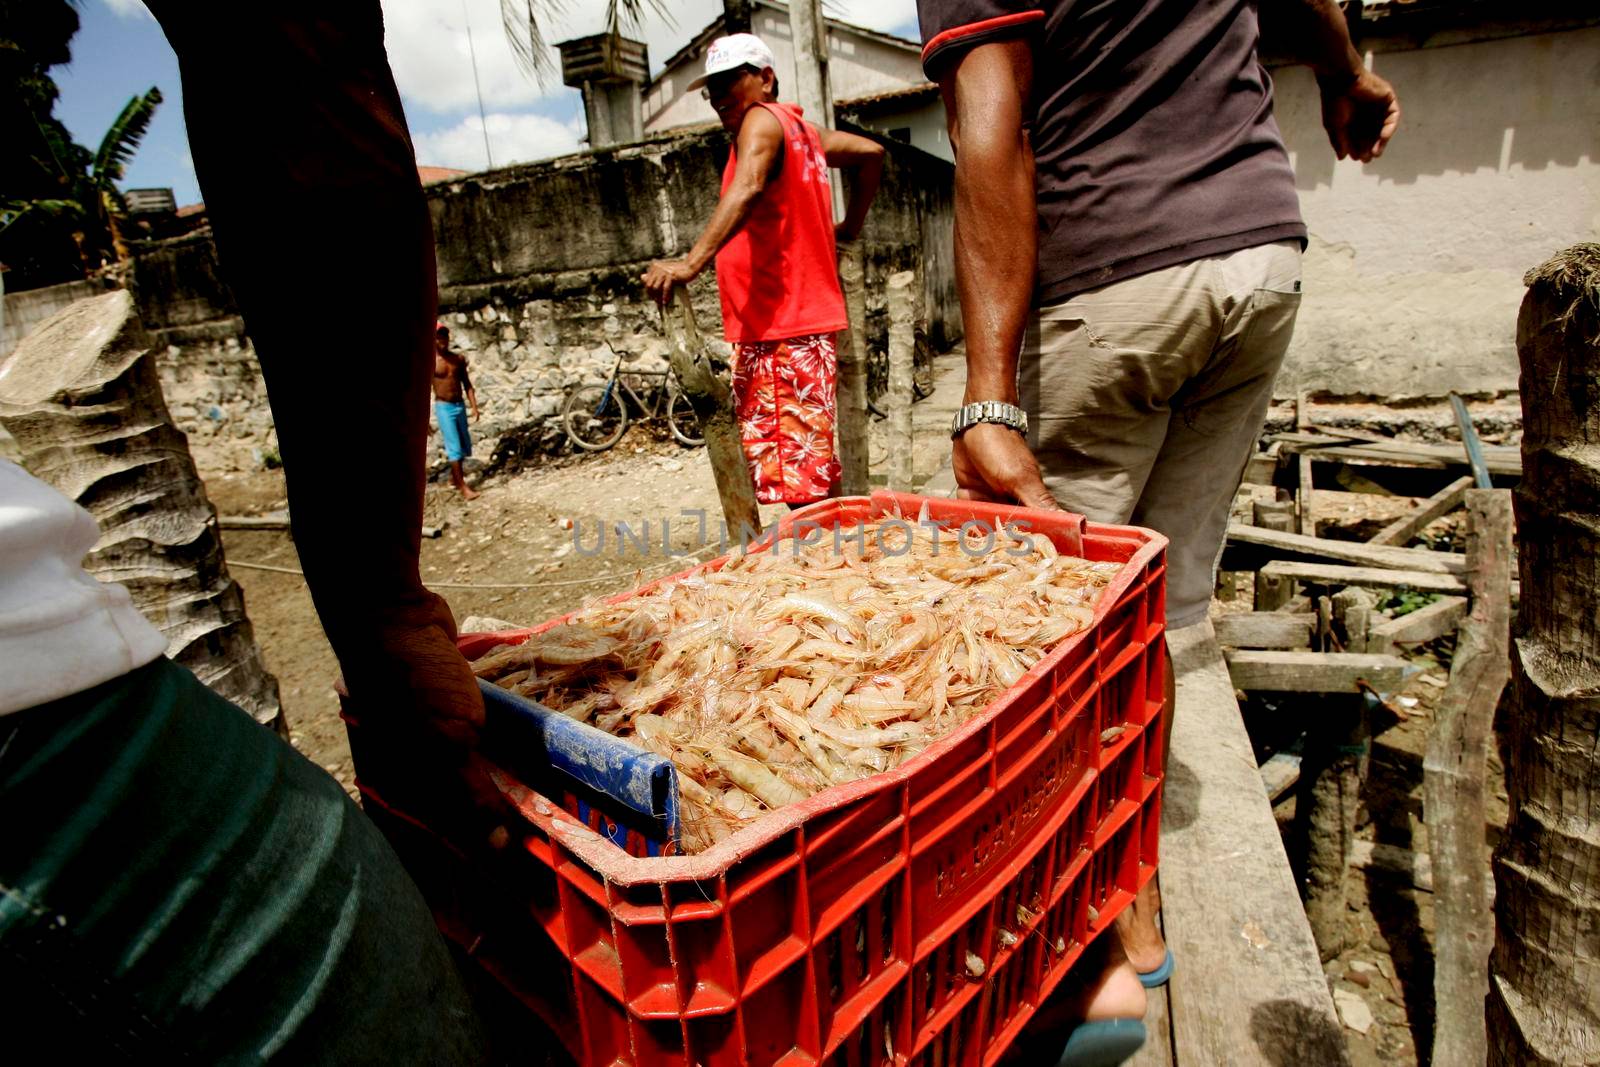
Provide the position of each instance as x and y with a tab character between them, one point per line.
1102	1043
1159	976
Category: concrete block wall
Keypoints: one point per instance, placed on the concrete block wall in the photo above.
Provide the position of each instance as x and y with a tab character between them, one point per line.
539	270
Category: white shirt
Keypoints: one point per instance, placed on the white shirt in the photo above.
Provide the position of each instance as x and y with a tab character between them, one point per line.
61	630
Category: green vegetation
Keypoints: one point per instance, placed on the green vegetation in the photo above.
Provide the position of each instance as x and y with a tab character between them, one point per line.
62	215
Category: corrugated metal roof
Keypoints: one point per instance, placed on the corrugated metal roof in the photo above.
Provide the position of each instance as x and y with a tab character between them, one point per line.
908	93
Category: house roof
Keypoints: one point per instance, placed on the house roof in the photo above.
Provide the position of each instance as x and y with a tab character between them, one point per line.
907	94
717	26
429	175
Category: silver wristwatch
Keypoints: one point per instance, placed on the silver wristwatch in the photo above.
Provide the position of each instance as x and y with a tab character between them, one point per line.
970	415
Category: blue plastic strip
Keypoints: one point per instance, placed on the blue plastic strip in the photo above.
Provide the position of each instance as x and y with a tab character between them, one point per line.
538	745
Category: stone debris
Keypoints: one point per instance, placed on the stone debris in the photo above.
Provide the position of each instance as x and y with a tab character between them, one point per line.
1353	1010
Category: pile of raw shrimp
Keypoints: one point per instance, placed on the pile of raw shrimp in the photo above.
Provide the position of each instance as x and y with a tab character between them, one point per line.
789	671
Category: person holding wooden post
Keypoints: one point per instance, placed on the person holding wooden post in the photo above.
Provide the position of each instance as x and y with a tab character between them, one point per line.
1127	241
773	239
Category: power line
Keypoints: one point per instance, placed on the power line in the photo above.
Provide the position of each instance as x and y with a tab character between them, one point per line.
483	120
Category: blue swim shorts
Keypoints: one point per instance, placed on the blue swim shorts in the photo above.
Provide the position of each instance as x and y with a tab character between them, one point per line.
453	428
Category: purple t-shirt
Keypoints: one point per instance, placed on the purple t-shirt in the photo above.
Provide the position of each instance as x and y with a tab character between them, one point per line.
1153	132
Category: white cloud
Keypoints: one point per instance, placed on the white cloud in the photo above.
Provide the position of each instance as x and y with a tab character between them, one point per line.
432	63
128	9
514	138
885	16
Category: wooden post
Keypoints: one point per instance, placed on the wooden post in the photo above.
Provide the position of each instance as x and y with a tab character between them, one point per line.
1544	973
902	357
1305	520
713	403
1331	772
1453	769
82	398
1273	593
852	385
1353	608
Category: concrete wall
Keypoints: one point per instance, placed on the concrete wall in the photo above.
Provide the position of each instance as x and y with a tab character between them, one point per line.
858	65
539	271
925	119
1414	272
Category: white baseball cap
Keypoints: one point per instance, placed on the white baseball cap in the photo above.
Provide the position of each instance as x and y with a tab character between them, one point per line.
732	52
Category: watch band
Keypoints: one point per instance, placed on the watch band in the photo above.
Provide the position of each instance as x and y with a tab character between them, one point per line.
969	415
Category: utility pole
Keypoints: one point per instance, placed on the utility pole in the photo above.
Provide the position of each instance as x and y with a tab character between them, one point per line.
472	54
810	35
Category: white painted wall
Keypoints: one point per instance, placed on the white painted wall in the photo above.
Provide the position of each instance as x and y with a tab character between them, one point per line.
925	120
1414	272
857	66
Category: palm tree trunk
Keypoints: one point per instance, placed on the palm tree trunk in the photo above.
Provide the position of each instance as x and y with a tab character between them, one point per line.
81	396
1544	973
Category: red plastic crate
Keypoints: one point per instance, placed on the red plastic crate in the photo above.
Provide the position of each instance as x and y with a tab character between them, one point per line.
918	916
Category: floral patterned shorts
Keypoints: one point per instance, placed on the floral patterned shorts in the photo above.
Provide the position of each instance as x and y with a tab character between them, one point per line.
783	395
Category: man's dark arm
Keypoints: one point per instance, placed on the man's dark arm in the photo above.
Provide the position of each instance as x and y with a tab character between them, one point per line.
861	159
1360	110
986	91
760	147
293	114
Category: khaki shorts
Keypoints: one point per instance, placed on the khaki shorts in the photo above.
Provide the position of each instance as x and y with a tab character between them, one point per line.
1145	398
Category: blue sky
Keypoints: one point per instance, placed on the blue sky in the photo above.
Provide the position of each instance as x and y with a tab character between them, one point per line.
120	51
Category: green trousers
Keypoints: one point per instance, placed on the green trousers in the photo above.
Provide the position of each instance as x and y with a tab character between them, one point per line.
179	885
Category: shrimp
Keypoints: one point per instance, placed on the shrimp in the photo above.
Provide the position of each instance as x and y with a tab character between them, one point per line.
795	667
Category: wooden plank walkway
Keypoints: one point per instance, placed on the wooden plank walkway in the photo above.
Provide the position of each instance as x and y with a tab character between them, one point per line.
1248	988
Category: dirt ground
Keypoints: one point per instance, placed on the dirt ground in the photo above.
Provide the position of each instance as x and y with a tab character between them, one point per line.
524	552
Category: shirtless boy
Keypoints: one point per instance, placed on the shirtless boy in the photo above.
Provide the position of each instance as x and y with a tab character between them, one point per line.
450	382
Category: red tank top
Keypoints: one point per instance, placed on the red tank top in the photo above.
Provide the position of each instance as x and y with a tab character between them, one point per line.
779	275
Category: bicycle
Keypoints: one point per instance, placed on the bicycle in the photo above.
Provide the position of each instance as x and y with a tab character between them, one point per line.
596	416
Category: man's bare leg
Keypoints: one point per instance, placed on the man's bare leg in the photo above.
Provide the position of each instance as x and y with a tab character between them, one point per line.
1141	937
1102	985
459	479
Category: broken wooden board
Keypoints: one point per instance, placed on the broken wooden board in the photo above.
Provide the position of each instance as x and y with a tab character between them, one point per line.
279	520
1265	629
1279	774
1314	672
1425	624
1248	988
1439	504
1500	459
1367	577
1274	544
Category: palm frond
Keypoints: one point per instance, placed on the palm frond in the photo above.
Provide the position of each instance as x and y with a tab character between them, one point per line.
625	15
13	210
62	151
521	20
122	139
